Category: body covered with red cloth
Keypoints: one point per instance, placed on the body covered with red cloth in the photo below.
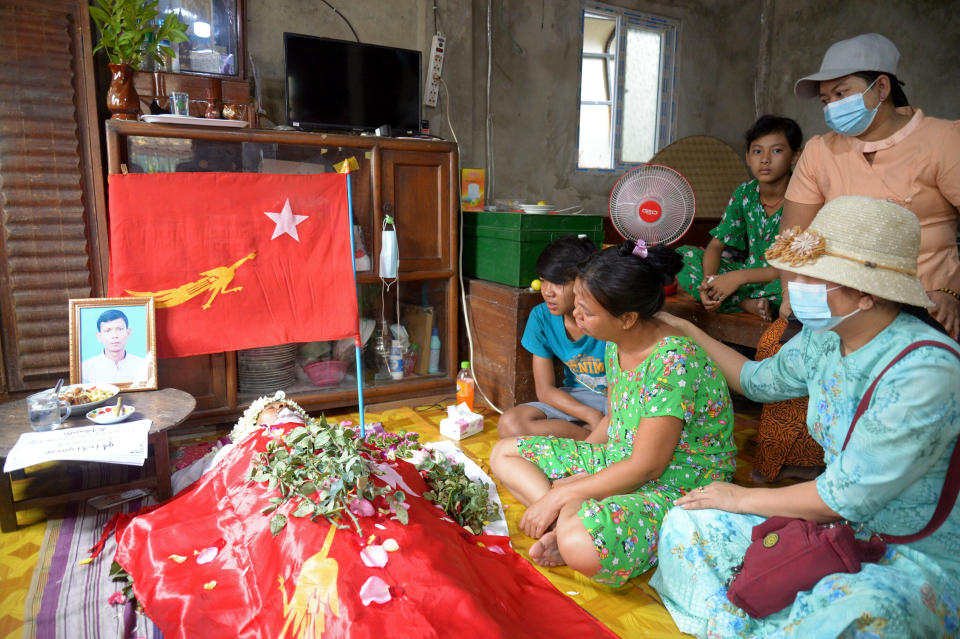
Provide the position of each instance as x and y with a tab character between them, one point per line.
235	260
311	581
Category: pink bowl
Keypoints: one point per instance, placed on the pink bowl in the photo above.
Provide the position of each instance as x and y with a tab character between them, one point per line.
328	373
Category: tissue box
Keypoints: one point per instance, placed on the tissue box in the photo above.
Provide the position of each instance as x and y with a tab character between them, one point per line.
461	422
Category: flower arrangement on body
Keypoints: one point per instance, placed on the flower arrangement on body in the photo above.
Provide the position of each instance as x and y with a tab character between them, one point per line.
324	469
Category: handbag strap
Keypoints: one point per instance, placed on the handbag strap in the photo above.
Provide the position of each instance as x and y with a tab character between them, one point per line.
951	483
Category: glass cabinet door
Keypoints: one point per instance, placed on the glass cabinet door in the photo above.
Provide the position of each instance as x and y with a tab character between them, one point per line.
398	346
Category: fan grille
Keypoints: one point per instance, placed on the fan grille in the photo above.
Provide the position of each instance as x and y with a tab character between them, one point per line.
652	203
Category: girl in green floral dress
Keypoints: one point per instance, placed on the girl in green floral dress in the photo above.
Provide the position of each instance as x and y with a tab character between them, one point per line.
750	223
596	505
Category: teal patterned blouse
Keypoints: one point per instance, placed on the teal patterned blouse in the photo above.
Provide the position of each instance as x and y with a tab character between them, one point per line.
892	471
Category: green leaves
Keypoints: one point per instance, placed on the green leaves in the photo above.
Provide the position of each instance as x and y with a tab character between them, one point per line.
277	522
321	468
467	502
125	25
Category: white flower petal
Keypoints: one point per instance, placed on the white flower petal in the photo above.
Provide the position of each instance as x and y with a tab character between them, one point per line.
374	556
207	555
375	590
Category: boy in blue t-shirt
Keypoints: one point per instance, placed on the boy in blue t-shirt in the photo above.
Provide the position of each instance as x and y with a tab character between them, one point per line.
573	409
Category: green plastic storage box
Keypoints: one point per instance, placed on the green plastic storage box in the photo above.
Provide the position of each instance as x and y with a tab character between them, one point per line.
503	246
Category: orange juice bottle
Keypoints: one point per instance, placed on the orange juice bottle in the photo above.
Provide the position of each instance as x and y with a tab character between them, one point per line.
465	385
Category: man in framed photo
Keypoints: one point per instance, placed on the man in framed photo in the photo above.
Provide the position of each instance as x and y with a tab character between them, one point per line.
114	364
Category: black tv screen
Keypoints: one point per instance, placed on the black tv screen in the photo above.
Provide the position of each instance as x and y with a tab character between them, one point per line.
336	84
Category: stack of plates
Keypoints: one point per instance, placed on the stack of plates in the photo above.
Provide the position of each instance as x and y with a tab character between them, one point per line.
267	369
535	208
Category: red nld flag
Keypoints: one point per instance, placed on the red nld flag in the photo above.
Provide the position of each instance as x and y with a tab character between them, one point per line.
235	260
205	564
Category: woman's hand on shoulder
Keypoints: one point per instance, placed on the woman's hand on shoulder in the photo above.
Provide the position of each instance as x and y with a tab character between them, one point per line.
720	495
681	325
946	311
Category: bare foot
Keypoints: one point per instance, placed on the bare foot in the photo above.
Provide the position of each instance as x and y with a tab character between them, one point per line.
546	552
759	306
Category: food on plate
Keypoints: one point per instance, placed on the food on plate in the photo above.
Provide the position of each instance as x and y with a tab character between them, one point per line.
78	395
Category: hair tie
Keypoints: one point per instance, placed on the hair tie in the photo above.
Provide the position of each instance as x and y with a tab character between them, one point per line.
640	249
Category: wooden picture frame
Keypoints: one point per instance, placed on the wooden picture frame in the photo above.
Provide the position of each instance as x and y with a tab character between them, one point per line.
130	329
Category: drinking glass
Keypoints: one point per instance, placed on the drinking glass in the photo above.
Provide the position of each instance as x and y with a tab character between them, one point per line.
46	410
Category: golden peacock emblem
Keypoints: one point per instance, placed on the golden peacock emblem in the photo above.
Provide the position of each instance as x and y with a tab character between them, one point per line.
214	281
316	590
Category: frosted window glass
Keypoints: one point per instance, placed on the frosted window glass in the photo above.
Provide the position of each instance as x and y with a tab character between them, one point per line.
594	143
594	85
641	96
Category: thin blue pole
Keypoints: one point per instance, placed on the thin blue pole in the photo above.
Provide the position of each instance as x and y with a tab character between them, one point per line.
356	339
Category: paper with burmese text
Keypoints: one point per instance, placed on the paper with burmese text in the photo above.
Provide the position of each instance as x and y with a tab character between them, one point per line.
110	444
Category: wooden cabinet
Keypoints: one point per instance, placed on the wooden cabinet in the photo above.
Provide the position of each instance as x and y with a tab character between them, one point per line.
498	317
412	180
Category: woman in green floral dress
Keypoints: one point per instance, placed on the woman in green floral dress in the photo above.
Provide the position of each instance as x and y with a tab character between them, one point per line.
750	223
596	505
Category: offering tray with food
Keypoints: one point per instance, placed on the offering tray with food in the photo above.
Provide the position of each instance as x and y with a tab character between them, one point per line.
83	397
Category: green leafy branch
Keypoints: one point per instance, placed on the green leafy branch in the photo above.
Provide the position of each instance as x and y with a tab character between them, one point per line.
125	27
465	500
319	469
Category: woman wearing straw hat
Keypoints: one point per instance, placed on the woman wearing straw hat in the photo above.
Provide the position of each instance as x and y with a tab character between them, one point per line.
856	291
881	147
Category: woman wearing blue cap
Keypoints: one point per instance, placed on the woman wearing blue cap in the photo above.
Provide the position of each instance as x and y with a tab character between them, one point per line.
883	148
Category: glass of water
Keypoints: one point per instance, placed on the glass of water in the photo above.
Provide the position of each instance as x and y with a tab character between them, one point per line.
46	410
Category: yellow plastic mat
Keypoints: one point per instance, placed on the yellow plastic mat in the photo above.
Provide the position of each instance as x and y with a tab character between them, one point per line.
631	611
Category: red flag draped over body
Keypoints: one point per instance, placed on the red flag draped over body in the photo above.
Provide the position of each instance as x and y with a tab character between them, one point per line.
234	260
311	581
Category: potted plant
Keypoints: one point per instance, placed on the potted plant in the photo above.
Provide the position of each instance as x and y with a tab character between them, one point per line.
128	35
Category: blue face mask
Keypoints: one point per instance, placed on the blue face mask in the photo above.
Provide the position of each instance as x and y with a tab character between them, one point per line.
850	116
809	304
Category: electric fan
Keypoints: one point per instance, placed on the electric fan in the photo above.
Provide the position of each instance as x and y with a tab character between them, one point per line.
652	203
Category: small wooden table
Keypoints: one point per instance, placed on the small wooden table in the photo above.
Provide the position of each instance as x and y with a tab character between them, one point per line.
166	408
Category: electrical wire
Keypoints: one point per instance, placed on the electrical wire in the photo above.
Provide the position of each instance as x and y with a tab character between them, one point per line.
489	120
337	11
446	97
466	319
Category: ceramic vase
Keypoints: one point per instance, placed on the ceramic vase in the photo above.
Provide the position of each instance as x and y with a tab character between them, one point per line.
122	99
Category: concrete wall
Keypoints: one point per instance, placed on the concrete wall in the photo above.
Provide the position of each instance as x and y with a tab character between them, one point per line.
399	23
725	51
535	89
927	33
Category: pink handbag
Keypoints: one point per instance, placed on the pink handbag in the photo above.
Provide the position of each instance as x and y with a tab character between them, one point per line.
788	555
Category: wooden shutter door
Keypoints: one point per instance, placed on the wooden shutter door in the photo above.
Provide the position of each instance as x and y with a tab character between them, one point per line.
50	185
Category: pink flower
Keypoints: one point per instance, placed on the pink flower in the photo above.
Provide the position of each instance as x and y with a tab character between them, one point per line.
117	599
361	507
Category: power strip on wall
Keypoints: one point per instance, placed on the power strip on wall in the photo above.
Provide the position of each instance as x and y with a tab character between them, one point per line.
431	90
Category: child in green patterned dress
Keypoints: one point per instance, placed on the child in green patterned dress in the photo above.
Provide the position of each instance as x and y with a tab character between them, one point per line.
750	223
596	505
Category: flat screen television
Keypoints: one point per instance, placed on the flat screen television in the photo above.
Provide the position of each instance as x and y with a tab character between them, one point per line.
337	84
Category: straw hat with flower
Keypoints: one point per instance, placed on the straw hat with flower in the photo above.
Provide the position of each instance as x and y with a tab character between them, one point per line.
866	244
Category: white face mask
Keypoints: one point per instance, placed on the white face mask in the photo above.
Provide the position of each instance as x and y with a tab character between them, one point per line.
809	303
286	415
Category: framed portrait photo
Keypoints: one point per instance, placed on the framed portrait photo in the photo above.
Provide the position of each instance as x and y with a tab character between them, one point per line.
113	341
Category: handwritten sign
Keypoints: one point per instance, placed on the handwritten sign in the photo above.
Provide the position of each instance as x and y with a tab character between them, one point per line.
111	444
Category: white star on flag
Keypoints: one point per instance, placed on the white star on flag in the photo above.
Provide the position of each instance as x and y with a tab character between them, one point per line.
286	222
